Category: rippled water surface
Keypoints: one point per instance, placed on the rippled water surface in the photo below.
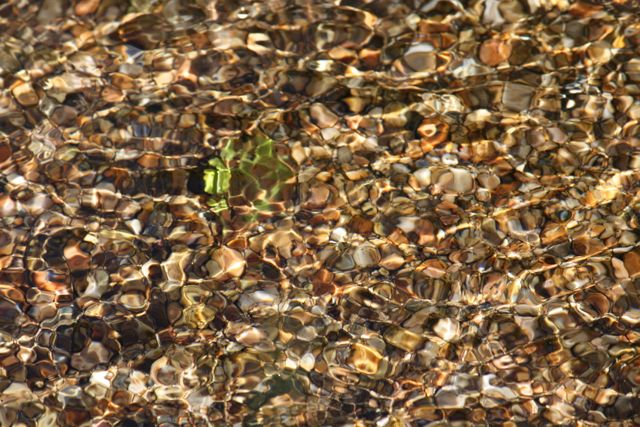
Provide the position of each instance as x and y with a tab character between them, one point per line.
319	213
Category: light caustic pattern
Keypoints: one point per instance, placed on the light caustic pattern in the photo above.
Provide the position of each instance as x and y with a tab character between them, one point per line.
319	213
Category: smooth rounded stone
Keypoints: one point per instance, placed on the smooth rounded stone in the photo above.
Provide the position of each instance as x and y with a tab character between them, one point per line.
632	262
260	43
192	294
619	268
450	397
25	95
433	132
403	338
97	283
394	115
597	302
392	262
447	329
251	336
600	52
366	360
8	206
356	104
517	96
256	338
226	262
51	281
339	234
26	355
483	151
319	196
407	224
400	169
167	394
187	121
494	51
455	180
628	238
322	116
477	119
560	413
307	333
361	225
64	115
307	362
423	176
421	57
162	372
76	258
329	134
631	317
86	7
434	268
489	390
488	181
251	300
230	106
195	316
134	301
366	255
483	195
345	262
403	206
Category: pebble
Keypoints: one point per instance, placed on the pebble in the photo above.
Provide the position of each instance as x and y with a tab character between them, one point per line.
25	95
322	116
494	52
423	176
366	256
86	7
447	329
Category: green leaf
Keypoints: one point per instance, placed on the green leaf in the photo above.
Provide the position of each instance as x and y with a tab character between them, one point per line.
210	181
256	167
224	180
218	205
265	149
217	180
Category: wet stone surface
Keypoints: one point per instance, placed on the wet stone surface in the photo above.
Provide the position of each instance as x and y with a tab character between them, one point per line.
310	213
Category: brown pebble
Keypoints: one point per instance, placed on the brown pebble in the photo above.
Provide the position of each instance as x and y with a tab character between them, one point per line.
85	7
494	52
361	225
433	268
364	359
5	152
392	262
25	95
122	81
632	262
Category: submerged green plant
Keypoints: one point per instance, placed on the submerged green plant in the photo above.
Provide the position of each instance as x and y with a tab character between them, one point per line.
216	183
253	169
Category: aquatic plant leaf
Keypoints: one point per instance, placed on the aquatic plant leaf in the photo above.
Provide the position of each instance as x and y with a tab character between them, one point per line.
210	181
217	205
217	180
254	169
